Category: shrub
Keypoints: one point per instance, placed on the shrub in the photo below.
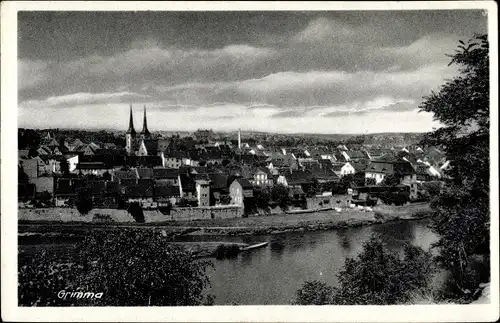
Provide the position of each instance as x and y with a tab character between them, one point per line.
84	202
314	293
130	268
135	210
375	277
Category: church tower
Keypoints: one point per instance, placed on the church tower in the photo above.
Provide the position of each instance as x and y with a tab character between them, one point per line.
145	134
130	137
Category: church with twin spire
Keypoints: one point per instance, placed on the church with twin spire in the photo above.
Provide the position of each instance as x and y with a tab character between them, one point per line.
141	144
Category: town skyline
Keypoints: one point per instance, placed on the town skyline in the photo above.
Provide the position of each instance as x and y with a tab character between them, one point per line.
286	72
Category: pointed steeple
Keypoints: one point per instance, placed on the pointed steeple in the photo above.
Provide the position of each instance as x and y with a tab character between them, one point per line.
145	130
131	129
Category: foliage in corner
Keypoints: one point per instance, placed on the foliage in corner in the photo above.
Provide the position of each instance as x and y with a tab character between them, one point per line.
462	217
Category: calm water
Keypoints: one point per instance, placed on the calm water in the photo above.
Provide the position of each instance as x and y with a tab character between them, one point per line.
272	275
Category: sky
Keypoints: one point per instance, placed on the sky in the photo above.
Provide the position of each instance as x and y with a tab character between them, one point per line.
289	72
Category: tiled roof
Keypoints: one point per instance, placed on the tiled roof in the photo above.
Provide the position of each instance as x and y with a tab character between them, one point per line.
144	172
123	174
355	154
299	177
187	183
91	165
165	173
360	165
390	167
218	181
325	174
151	146
244	183
166	191
141	189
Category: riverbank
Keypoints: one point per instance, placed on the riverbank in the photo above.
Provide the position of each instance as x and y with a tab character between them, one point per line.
262	225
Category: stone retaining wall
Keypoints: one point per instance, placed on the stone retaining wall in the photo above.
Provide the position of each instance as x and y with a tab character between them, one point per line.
113	215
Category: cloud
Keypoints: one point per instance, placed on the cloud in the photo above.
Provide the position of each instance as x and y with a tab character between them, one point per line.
288	114
323	29
400	106
345	113
78	99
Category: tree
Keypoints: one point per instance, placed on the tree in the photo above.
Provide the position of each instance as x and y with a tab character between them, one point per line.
22	177
64	166
106	176
135	209
462	214
279	195
84	201
314	293
371	182
130	268
375	277
390	180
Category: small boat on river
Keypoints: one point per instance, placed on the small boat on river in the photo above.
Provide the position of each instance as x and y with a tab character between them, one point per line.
255	246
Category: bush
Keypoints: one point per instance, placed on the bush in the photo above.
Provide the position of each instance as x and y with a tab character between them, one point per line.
396	198
135	210
375	277
84	202
130	268
314	293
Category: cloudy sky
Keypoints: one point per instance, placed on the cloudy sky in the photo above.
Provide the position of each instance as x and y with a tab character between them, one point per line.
316	72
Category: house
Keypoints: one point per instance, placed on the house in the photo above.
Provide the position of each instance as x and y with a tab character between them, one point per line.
307	163
66	189
174	159
43	150
72	162
187	187
261	177
355	155
30	167
120	176
239	190
296	193
278	160
296	179
166	194
341	169
141	192
203	192
89	150
23	154
360	165
219	185
169	176
298	153
426	172
325	175
92	168
109	145
378	169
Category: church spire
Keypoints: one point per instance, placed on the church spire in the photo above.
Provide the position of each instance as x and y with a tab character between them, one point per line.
131	129
145	130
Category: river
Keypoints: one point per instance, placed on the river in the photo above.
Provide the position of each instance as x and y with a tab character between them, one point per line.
273	274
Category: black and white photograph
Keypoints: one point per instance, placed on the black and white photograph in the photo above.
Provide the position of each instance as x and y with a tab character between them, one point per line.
219	159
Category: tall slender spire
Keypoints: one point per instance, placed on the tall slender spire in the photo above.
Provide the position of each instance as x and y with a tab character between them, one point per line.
145	130
131	129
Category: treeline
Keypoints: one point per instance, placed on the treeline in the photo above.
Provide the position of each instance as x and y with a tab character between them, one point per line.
30	138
